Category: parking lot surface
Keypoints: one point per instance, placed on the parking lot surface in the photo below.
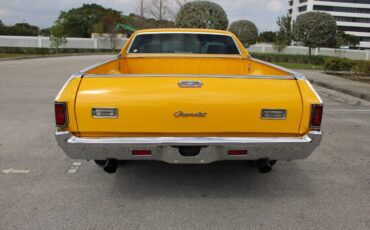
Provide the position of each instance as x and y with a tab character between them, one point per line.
40	188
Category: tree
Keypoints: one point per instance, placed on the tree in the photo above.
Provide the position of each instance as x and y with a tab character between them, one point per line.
139	22
202	14
285	27
45	32
142	7
79	22
2	27
159	9
315	29
343	39
58	36
109	22
267	36
245	30
280	41
20	29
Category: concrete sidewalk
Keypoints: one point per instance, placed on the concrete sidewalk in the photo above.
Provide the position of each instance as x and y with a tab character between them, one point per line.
353	88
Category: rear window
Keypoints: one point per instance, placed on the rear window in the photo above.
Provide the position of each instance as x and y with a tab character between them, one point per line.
186	43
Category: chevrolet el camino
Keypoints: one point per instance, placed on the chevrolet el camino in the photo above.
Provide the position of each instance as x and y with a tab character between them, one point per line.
187	96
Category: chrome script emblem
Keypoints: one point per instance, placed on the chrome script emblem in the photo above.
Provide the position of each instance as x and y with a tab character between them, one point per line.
185	114
190	84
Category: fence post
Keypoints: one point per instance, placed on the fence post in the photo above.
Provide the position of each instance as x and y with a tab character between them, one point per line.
96	43
316	51
367	55
263	49
39	41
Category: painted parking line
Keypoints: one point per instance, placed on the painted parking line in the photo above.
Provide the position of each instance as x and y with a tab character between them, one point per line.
15	171
74	167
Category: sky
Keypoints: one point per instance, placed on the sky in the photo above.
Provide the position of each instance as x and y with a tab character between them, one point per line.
43	13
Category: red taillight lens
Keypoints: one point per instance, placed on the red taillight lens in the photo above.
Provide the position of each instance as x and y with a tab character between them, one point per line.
316	116
141	152
237	152
61	114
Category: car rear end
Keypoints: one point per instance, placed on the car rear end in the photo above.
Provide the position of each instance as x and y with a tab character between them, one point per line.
171	108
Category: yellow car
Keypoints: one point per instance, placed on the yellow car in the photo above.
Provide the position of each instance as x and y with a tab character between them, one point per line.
187	96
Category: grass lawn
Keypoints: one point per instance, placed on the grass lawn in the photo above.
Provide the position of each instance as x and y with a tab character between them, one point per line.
299	66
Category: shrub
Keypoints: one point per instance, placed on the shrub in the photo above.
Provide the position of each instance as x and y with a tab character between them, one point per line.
361	67
202	14
290	58
245	30
338	64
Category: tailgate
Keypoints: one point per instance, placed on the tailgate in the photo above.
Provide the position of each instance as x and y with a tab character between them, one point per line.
147	106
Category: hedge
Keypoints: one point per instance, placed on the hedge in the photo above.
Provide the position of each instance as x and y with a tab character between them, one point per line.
343	64
290	58
329	63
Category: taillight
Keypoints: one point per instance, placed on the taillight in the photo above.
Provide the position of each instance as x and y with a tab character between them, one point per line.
316	116
61	114
141	152
237	152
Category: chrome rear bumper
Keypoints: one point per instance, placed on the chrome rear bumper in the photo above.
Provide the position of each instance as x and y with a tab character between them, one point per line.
165	148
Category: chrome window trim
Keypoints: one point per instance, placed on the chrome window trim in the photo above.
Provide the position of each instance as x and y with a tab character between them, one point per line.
174	55
184	32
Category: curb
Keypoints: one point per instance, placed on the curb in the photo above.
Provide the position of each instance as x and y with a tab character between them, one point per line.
345	91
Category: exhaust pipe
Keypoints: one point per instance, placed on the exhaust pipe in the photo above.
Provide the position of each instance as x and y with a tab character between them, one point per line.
264	165
111	166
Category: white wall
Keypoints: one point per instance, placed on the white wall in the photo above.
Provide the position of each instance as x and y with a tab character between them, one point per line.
345	53
91	43
43	42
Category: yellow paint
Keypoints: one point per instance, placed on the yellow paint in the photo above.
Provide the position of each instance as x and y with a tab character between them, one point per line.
308	98
68	94
146	104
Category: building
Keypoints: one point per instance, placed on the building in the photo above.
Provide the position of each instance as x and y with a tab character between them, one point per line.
352	16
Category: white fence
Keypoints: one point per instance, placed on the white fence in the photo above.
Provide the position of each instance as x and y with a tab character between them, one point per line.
344	53
73	43
105	43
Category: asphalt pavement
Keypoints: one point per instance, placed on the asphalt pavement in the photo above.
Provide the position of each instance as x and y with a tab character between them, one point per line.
40	188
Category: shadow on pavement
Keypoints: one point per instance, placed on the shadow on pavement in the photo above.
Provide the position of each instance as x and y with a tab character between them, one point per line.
140	180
